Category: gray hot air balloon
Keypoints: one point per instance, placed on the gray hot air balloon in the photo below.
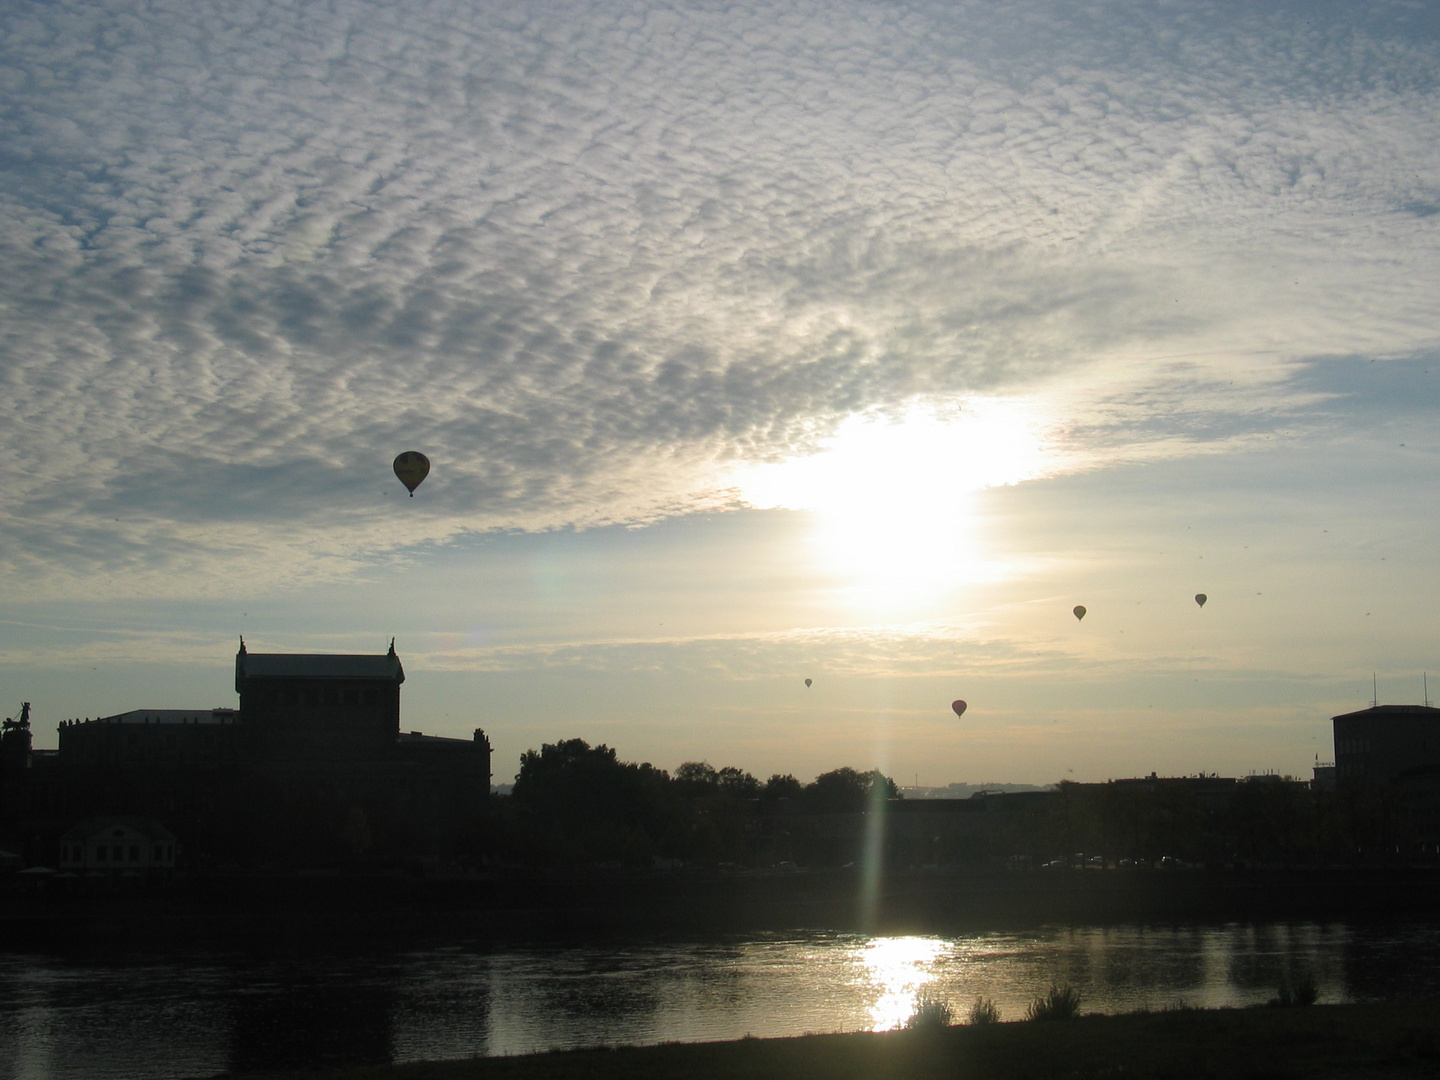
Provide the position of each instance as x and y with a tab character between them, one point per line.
1079	611
1200	598
411	468
807	683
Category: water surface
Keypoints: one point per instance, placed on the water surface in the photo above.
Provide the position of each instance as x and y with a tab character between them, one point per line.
195	1013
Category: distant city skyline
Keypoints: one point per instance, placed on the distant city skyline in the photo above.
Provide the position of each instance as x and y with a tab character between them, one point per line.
854	342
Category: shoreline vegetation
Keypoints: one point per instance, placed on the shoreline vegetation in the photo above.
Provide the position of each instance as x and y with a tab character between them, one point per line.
1391	1039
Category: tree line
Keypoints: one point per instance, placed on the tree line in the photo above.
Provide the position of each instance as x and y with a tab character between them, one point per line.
573	803
1257	820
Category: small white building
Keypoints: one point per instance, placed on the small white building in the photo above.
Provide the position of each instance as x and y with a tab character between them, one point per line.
117	845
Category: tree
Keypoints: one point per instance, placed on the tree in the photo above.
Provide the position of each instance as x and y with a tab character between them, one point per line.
696	778
737	782
715	806
781	787
580	803
847	791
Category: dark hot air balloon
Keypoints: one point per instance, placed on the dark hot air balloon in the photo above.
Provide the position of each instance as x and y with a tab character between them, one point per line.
958	706
1079	611
411	467
807	684
1200	598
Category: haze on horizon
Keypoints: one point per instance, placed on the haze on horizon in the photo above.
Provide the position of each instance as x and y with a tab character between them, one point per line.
850	341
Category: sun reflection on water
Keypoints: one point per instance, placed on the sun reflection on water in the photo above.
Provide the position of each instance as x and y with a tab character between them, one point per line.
897	968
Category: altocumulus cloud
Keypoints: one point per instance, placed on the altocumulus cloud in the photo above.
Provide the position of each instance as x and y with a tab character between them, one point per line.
588	257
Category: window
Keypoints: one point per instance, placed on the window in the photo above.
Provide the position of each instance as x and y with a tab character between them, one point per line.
134	852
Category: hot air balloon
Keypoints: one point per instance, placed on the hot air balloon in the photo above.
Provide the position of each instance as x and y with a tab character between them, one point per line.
1079	611
411	467
958	706
807	684
1200	598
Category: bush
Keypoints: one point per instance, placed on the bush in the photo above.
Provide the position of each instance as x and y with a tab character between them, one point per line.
1306	990
930	1012
983	1012
1060	1003
1303	990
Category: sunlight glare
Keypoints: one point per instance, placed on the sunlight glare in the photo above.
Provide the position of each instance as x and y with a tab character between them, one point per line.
898	968
893	495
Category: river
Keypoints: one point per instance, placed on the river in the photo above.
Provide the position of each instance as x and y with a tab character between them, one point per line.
196	1013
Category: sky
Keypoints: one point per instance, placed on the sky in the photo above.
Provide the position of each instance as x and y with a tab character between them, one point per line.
750	343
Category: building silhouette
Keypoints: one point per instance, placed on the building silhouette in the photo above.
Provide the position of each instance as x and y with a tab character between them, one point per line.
311	770
1384	742
1389	755
306	707
112	844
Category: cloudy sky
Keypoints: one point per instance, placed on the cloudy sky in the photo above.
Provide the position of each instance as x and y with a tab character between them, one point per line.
750	343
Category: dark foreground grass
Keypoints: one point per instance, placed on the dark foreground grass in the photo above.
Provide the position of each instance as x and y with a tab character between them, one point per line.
1390	1040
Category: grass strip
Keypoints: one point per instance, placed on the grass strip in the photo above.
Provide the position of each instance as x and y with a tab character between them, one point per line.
1393	1039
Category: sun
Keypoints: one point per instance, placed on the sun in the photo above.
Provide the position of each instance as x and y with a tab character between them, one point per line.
894	495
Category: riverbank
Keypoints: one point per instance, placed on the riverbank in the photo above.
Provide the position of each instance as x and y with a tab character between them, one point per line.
521	905
1397	1039
1316	1043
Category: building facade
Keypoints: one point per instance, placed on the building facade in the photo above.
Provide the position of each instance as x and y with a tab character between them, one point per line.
118	846
202	738
311	770
319	707
1387	767
1381	743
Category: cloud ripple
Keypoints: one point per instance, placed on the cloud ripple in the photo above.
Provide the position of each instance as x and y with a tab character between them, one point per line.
585	257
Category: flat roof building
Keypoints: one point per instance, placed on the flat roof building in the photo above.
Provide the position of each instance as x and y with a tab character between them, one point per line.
1383	742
